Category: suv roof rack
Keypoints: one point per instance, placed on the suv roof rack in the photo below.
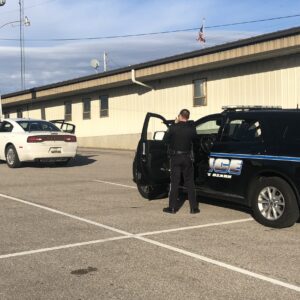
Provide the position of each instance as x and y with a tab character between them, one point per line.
249	107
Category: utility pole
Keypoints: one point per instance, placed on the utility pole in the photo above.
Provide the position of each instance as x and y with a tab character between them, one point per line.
22	51
2	2
105	61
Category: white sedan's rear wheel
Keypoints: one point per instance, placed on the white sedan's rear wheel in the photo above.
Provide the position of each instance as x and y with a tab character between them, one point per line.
12	158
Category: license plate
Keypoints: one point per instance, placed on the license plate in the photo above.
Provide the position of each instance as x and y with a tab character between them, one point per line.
55	150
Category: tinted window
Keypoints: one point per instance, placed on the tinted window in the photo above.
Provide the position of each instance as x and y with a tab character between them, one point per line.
19	113
37	126
6	127
243	130
200	97
86	108
68	111
103	106
43	113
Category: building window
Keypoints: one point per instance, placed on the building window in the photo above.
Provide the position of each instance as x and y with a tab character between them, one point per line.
86	108
103	106
200	92
43	113
19	113
6	115
68	111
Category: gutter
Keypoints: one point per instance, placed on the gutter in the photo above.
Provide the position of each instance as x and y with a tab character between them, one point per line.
139	82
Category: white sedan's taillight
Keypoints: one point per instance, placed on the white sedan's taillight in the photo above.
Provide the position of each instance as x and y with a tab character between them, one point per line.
35	139
70	138
51	138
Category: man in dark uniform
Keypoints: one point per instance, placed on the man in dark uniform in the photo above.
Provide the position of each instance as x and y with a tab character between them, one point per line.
179	137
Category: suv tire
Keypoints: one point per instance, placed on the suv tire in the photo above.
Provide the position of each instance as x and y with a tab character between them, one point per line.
274	202
12	158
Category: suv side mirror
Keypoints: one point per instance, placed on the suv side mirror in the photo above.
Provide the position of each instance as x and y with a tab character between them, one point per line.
158	135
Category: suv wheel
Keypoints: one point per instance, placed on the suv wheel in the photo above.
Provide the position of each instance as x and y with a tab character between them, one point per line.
274	202
12	158
152	192
144	190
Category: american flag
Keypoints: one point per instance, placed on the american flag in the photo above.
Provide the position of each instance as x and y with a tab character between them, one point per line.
201	37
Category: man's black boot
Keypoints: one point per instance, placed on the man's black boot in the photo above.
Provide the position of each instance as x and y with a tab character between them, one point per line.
195	210
170	210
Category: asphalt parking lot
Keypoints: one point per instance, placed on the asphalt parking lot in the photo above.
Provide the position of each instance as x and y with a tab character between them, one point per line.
83	232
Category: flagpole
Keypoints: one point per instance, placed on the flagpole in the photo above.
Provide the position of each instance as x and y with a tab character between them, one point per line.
203	23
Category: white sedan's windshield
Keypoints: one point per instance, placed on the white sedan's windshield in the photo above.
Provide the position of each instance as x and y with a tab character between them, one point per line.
37	126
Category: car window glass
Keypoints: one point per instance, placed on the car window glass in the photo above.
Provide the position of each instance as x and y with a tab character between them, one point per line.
6	127
242	130
209	127
37	126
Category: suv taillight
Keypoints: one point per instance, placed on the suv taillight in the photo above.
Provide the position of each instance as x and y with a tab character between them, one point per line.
70	139
35	139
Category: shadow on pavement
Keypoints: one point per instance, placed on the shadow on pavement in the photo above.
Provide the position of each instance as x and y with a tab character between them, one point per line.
225	204
78	161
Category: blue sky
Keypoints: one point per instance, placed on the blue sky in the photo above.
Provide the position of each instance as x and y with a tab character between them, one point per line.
48	62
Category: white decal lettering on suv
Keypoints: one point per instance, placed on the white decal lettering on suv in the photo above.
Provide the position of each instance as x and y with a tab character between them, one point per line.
225	166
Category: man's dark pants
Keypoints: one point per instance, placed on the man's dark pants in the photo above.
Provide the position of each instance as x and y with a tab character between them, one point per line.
182	163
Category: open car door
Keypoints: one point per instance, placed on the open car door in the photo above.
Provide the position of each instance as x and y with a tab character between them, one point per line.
151	163
64	126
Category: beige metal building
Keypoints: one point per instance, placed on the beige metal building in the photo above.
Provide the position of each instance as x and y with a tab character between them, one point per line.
108	109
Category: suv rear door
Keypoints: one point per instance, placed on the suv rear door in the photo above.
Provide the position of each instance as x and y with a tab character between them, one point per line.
151	163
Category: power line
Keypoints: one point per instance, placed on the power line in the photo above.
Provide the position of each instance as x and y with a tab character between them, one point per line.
30	6
154	33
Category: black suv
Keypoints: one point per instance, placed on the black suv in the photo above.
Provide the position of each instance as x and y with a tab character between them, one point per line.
248	155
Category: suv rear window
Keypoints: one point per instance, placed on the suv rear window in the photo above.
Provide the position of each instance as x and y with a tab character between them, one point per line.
37	126
242	130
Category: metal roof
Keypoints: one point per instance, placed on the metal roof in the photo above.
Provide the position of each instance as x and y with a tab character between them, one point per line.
197	53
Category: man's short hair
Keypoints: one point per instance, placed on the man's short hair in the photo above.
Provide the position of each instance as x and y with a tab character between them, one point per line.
185	113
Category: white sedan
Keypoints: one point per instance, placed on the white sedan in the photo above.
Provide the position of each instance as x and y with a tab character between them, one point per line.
34	140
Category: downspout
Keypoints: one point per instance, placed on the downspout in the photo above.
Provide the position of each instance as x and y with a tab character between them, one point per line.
138	82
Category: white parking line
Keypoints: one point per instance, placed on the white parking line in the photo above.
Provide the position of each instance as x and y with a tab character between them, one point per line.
162	245
117	184
221	264
63	247
194	227
65	214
